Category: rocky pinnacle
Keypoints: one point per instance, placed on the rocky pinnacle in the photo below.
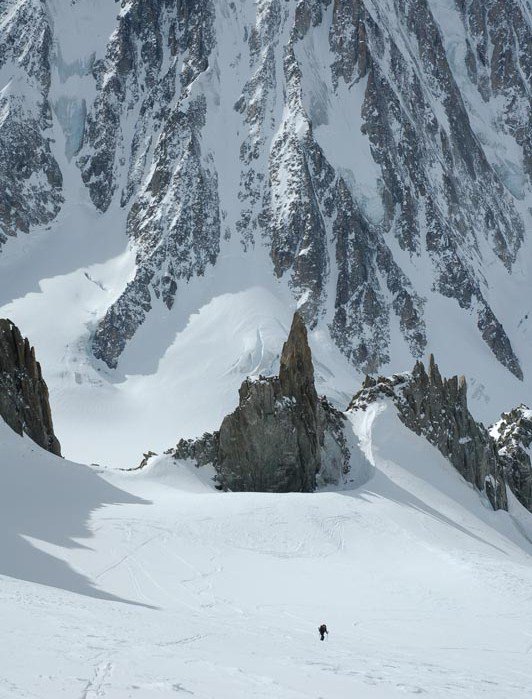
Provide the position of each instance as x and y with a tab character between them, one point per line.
275	439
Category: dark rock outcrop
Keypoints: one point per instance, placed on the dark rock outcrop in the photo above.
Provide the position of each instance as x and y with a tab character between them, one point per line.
30	178
24	401
281	437
436	408
513	437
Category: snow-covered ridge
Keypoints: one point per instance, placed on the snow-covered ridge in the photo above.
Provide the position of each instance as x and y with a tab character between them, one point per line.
436	408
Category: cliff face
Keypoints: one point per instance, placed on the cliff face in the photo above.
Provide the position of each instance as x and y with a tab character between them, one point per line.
436	408
281	437
339	210
24	401
513	438
30	178
362	140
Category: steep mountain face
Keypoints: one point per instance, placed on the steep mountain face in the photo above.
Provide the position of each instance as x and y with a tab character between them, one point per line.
24	403
281	437
366	162
30	178
437	409
513	437
380	152
438	196
149	153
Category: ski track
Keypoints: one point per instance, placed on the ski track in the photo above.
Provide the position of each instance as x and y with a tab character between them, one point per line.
228	590
96	685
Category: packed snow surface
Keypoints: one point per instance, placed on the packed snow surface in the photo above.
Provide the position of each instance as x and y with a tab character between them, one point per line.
152	584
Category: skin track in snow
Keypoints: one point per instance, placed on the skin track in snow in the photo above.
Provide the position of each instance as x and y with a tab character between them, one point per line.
426	588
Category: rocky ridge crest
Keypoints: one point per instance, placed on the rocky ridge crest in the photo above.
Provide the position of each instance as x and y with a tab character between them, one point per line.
436	408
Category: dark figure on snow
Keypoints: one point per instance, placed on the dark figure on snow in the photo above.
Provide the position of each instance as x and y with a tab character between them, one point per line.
323	631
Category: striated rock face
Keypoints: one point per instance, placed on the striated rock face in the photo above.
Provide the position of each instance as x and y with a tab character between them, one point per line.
436	408
260	447
513	438
23	393
378	150
170	185
30	178
347	215
281	437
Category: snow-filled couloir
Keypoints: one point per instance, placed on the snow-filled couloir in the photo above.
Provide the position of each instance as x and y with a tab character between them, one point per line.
190	173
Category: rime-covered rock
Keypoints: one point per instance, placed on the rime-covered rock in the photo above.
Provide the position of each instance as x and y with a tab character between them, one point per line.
24	403
436	408
513	438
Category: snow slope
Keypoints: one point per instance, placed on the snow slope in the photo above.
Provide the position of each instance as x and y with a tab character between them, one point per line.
154	585
181	370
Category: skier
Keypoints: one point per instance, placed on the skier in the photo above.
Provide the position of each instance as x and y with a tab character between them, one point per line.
323	630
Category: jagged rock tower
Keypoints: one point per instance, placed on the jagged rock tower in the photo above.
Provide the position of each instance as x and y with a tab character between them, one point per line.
272	440
24	403
275	439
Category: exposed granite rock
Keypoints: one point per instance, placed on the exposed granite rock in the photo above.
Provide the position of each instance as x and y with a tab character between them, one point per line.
499	63
513	438
171	186
281	437
424	182
30	178
24	403
203	450
436	408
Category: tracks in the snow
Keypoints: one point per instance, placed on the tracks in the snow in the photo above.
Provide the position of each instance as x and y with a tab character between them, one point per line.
95	687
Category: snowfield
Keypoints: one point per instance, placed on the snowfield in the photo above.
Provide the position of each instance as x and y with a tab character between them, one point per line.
180	373
152	584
